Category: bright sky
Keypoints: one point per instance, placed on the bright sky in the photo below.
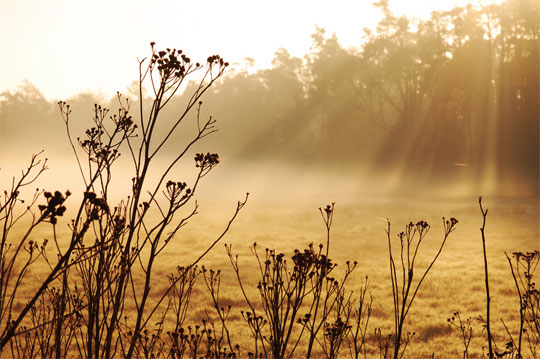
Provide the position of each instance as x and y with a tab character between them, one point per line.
69	46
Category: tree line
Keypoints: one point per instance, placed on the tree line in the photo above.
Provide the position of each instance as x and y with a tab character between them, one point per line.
453	95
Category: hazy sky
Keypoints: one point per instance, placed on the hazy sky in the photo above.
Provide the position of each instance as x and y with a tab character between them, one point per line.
68	46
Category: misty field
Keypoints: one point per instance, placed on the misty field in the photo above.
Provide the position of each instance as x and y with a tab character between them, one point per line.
371	202
455	284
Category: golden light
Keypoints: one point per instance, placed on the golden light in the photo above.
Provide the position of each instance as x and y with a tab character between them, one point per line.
66	47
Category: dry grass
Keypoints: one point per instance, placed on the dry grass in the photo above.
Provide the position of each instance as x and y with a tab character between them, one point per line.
455	284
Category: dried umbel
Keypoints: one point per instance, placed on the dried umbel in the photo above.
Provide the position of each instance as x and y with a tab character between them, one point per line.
308	262
206	161
176	192
335	334
54	207
173	65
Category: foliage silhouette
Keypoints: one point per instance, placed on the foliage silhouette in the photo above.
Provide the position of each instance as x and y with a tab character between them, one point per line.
110	247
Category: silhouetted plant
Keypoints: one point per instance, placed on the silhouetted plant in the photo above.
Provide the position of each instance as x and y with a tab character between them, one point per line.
465	329
199	341
16	257
523	267
486	280
361	313
320	282
212	279
383	343
334	335
334	303
277	327
111	248
404	289
183	282
282	292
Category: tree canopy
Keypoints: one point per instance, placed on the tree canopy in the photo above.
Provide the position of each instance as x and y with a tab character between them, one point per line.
452	96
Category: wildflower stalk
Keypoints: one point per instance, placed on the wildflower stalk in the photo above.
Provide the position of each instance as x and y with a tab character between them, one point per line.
486	279
403	291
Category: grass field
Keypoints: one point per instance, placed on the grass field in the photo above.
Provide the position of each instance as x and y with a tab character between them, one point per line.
456	282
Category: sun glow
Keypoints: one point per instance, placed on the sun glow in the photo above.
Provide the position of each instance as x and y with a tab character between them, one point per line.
65	47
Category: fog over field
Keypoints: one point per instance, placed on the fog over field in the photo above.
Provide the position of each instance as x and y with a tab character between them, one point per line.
390	142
